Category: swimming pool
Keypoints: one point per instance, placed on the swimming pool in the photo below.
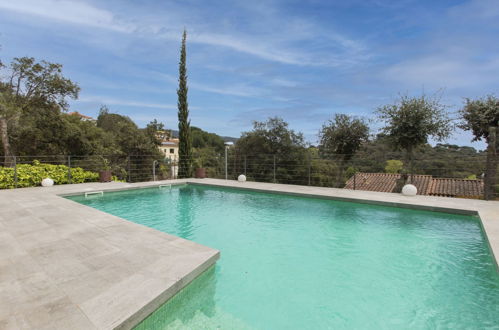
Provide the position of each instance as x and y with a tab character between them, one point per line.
291	262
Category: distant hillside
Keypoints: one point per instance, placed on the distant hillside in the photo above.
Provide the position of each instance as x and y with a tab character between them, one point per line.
225	138
229	139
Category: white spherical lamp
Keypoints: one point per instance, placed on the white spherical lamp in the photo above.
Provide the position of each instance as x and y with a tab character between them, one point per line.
409	190
48	182
241	178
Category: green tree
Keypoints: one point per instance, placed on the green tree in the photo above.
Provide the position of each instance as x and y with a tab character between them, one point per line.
155	129
83	138
270	137
202	139
340	138
138	145
272	142
127	135
394	166
481	117
185	140
31	84
155	126
411	121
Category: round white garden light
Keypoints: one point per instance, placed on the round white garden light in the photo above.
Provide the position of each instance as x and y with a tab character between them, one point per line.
409	190
48	182
241	178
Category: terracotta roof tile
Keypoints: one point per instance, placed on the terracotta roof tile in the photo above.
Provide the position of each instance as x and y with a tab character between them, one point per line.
383	182
456	188
426	184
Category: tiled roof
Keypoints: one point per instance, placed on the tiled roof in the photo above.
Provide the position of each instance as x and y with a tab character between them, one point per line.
422	182
456	188
171	143
385	182
76	113
426	184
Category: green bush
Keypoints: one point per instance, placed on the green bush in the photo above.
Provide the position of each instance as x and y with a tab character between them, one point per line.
30	175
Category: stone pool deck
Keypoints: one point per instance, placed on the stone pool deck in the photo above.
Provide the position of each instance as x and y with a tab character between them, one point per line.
64	265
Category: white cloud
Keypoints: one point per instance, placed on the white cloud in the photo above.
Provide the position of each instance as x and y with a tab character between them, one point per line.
269	44
283	82
242	45
68	11
130	103
476	9
441	71
235	90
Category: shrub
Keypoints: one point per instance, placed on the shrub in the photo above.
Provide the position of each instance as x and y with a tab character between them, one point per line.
30	175
394	166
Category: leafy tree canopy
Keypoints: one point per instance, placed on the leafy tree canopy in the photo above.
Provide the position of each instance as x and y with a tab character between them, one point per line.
343	135
411	121
394	166
130	139
29	82
30	85
478	115
270	137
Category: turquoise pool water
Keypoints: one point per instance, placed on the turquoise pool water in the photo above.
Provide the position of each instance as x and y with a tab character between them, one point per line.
301	263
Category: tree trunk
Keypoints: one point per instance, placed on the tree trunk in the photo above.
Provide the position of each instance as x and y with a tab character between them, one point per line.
340	182
4	135
410	166
491	166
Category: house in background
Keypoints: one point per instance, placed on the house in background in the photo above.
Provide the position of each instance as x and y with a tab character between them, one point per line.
82	116
170	149
426	185
168	145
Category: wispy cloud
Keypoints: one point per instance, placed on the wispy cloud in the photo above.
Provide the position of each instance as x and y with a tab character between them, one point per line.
237	90
110	101
264	45
441	71
67	11
459	57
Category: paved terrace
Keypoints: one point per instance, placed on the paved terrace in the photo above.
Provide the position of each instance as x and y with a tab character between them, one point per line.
64	265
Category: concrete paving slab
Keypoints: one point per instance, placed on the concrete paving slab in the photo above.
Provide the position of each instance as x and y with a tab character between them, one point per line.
64	265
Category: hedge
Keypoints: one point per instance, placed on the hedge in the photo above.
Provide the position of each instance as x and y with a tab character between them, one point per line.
30	175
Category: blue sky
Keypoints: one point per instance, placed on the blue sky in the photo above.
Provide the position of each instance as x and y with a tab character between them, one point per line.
248	60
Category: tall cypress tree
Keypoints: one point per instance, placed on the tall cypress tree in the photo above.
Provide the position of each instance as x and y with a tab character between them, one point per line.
185	143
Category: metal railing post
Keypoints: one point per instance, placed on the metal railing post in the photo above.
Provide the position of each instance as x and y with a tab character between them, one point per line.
154	170
244	165
354	181
69	169
274	169
15	171
226	151
128	169
309	169
172	165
